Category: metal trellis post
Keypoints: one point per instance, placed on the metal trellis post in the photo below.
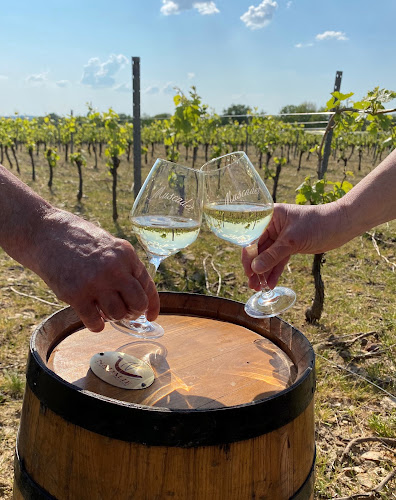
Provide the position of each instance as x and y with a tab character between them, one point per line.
137	157
327	146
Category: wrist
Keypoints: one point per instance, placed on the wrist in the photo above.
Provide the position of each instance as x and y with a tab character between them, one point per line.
335	225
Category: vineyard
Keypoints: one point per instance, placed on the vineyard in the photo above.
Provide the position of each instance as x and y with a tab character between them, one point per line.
365	128
84	164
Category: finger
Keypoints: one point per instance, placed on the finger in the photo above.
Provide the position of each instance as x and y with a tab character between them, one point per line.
254	283
112	305
153	301
264	237
154	305
90	316
262	246
248	254
135	297
276	272
270	257
132	315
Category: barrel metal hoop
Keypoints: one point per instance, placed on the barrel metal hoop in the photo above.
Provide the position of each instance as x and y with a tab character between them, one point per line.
32	491
307	488
27	486
163	427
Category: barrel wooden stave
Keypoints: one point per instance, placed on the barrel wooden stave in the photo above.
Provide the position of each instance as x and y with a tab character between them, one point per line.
70	462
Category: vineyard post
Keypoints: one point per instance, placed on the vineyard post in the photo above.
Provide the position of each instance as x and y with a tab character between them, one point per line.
247	134
137	153
327	147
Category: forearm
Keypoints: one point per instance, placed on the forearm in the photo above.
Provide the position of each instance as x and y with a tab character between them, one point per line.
373	200
315	229
21	214
85	266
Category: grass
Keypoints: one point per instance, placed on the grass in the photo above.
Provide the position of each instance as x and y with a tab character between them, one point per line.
12	384
359	318
384	427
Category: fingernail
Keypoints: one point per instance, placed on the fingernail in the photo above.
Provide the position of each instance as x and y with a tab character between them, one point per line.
257	266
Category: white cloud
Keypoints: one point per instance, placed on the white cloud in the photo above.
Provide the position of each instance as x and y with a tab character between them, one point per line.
98	74
169	89
303	45
37	79
329	35
260	16
288	5
206	8
190	76
152	90
3	77
62	83
326	35
171	7
123	87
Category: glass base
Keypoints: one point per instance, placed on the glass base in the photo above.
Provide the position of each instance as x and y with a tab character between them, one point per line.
272	303
139	327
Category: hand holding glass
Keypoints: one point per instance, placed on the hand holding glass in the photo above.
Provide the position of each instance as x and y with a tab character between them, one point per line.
237	208
166	217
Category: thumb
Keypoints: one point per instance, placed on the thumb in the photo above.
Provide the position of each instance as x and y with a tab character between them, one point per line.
270	257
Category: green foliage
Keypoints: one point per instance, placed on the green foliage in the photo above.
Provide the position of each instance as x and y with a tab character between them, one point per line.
116	136
187	112
304	107
66	129
78	158
279	160
184	121
49	132
369	113
52	157
237	112
30	146
266	132
318	193
336	100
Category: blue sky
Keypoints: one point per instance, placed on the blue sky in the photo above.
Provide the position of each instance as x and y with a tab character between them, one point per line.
56	56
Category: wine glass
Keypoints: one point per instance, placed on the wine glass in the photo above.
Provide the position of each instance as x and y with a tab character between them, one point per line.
166	217
237	208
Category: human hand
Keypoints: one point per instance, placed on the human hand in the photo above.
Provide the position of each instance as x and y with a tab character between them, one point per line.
99	275
293	229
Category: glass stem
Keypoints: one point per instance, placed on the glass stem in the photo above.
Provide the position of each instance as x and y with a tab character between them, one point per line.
266	292
142	320
154	262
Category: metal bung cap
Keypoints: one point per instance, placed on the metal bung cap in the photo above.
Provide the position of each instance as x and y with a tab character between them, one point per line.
122	370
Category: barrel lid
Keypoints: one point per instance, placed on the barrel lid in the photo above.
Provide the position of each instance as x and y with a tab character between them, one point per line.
198	363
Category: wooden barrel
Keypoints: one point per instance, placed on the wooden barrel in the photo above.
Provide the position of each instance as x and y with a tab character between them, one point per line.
229	416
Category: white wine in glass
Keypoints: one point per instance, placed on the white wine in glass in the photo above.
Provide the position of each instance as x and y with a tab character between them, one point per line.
166	217
237	208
